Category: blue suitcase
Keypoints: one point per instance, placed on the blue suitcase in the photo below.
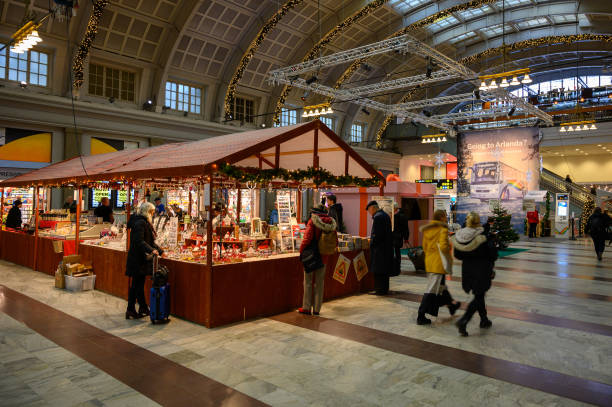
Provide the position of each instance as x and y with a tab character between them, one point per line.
160	304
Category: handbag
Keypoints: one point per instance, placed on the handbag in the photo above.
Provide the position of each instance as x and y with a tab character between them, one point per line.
447	264
311	258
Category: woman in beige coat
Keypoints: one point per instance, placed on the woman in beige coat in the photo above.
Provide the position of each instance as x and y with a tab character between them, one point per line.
438	263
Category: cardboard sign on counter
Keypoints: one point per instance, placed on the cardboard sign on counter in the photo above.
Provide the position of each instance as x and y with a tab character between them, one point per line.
361	266
342	268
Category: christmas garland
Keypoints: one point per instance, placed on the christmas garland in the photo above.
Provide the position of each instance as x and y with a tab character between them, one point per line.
319	176
90	35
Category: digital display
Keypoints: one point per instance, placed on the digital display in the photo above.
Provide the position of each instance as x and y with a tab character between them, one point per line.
451	170
440	183
97	195
121	195
562	208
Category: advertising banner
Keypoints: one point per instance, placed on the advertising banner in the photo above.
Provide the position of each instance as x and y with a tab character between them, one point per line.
497	166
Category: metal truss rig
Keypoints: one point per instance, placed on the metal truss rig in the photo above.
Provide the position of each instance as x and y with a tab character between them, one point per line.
450	69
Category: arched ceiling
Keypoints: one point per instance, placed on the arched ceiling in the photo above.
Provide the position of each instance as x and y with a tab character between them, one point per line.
203	41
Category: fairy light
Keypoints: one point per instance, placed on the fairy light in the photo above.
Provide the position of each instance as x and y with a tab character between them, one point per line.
90	34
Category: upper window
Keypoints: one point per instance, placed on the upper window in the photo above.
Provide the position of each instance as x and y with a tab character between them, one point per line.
406	6
357	131
328	121
243	110
111	82
511	3
183	97
534	22
564	18
474	12
445	22
31	67
288	117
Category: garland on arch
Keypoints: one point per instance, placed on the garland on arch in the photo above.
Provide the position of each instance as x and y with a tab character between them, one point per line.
90	35
319	176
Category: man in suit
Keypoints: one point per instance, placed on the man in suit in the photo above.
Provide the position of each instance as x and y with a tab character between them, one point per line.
381	248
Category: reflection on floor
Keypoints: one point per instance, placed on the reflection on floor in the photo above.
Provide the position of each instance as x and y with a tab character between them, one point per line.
551	340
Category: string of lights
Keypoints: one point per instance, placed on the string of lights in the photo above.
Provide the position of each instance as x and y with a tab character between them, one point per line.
90	34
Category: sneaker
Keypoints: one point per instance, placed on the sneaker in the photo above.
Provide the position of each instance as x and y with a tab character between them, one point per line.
454	307
462	325
304	311
422	320
485	324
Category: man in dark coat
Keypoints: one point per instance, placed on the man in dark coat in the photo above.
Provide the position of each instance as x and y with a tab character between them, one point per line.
381	248
13	219
139	263
401	233
597	227
478	255
335	211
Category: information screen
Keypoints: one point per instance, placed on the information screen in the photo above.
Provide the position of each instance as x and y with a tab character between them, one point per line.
562	208
97	195
121	195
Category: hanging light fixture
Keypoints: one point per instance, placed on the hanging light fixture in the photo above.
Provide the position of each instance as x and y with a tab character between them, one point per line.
493	84
526	79
562	129
483	86
25	38
504	83
593	127
515	81
570	128
585	127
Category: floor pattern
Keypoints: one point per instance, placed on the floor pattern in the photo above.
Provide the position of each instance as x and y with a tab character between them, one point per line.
549	345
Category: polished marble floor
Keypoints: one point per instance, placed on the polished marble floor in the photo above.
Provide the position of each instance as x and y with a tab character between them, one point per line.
550	345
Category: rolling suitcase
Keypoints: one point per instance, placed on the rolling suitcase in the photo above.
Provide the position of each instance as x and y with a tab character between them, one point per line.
160	294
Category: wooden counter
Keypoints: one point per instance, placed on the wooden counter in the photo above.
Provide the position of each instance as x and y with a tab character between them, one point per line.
18	248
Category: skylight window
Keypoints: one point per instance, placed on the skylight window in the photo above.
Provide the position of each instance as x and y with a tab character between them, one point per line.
512	3
406	6
534	22
565	18
463	37
495	30
474	12
445	22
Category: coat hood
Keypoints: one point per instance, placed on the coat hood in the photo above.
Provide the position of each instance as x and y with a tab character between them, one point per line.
433	224
323	222
468	239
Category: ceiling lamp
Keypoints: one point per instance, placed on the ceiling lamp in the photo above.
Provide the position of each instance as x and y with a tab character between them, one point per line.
493	84
562	129
504	83
585	127
25	38
305	114
526	79
593	127
515	81
483	86
578	128
570	128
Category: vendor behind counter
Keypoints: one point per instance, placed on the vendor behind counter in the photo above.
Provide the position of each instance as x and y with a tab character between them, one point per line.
105	211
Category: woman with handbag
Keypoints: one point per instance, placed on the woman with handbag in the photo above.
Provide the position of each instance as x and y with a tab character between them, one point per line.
438	263
313	261
478	254
140	258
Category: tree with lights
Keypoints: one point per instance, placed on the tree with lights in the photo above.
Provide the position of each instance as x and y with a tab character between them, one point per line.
587	211
501	229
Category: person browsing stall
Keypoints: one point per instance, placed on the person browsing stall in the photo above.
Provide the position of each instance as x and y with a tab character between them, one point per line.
105	211
381	248
70	204
13	219
139	263
335	211
159	206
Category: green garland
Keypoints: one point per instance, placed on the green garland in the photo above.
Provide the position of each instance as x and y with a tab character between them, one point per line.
319	176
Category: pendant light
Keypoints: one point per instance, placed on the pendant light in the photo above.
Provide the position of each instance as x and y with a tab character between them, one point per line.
504	83
562	129
493	84
515	82
593	127
526	79
483	86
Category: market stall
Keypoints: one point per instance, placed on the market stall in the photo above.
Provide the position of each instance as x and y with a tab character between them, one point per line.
227	264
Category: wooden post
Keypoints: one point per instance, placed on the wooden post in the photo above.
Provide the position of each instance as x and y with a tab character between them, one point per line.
128	210
382	189
78	221
238	205
2	209
209	228
277	156
190	203
298	207
36	207
346	164
315	150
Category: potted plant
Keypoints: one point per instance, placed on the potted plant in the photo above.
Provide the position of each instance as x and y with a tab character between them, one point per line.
545	223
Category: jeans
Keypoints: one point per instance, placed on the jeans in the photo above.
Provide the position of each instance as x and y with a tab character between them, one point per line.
136	293
600	243
319	281
532	229
477	304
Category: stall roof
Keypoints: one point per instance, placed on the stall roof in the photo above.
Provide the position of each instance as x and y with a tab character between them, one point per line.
289	147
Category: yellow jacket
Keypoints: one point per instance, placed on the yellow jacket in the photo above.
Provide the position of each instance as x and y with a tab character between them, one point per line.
435	239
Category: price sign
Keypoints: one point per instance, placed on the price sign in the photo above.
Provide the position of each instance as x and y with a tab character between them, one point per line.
283	205
97	195
173	231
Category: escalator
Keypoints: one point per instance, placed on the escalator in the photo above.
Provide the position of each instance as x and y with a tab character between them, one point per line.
554	183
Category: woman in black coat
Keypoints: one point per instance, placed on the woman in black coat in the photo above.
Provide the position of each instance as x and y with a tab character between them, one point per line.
13	219
139	260
478	255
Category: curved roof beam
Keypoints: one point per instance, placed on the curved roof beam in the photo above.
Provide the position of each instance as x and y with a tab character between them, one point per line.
475	58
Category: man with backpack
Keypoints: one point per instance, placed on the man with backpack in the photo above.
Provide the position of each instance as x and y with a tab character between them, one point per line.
597	227
320	240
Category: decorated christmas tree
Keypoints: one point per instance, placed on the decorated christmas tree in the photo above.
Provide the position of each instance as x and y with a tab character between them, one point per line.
501	227
587	211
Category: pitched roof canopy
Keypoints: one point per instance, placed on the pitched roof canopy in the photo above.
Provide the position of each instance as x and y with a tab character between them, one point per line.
290	148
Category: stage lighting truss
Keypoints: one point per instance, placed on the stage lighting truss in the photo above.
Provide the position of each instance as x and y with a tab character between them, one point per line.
434	138
448	69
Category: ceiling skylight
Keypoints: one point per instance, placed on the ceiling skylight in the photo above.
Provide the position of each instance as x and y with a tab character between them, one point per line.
534	22
564	18
463	37
406	6
445	22
496	30
474	12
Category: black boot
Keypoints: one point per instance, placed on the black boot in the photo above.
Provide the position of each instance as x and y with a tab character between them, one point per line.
143	311
452	308
599	256
486	323
462	324
131	314
423	320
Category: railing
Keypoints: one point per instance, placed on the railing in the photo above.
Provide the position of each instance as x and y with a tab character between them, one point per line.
556	184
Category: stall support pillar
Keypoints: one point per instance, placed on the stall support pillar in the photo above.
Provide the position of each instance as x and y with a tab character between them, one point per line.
2	210
298	206
36	208
209	228
238	206
128	210
78	221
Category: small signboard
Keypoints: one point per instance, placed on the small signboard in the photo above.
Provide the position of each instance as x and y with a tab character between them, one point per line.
360	265
342	268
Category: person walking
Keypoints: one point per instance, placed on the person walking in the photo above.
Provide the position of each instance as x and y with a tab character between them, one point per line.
533	217
478	255
140	258
318	223
597	227
335	211
381	248
401	233
13	219
438	263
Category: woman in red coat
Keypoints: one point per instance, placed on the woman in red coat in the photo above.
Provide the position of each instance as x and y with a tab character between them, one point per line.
533	217
319	222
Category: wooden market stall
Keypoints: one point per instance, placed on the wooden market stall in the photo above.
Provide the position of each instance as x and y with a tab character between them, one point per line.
211	292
